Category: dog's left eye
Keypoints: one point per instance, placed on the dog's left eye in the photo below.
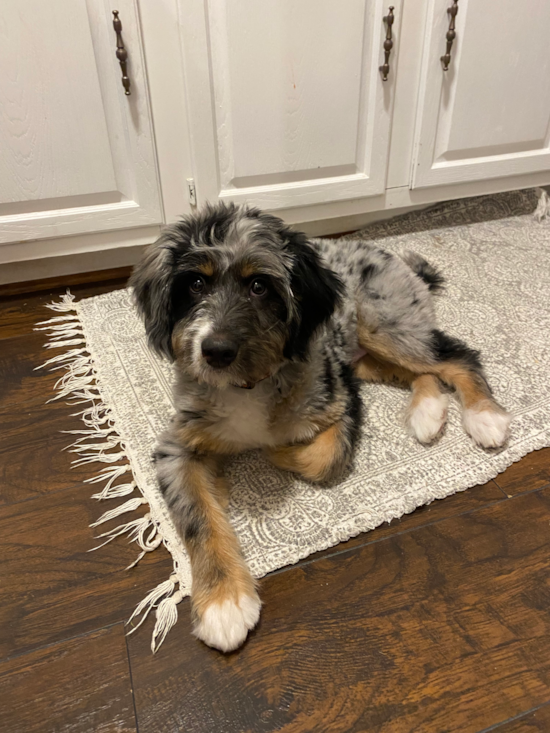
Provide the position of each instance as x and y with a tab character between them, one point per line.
258	288
197	285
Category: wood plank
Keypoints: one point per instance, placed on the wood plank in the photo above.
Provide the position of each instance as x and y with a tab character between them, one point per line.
19	314
23	351
537	721
82	685
21	381
529	474
38	468
29	422
442	628
51	586
33	459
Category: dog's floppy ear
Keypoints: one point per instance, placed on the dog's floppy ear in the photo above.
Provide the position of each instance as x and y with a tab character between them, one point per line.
151	281
316	290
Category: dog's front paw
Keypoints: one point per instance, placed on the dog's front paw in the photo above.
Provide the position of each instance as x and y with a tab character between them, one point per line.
225	625
489	428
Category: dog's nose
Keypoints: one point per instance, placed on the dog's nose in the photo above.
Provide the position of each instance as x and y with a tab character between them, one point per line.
219	351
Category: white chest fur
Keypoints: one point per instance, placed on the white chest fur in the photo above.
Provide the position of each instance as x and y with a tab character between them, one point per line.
243	417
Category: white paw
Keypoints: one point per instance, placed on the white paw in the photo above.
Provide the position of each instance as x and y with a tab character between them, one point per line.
426	419
226	625
488	428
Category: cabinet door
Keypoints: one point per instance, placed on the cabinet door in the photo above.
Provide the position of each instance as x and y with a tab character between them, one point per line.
76	153
488	115
287	105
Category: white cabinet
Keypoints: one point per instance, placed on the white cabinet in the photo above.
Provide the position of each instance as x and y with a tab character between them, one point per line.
288	110
76	153
488	116
286	101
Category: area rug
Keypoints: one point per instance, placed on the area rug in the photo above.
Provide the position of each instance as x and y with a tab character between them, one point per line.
495	255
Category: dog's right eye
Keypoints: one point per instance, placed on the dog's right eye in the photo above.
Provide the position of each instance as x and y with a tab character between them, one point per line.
197	285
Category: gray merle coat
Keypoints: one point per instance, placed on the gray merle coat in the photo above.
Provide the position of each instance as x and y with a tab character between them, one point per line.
271	334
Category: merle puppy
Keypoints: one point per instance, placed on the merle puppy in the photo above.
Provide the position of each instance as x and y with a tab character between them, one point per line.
271	333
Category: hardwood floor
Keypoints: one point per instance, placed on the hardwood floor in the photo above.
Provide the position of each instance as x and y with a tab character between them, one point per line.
438	622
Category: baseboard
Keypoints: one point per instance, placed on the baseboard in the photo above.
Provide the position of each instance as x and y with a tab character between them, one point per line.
353	222
32	275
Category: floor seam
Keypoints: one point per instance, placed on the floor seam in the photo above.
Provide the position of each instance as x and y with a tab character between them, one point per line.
523	493
131	681
500	489
496	726
59	641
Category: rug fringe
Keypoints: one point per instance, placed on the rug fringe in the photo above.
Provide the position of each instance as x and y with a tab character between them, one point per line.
164	598
100	442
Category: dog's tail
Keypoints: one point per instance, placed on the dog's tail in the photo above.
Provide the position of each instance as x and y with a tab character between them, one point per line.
433	279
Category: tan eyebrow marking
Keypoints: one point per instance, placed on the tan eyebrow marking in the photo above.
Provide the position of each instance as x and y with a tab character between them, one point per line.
247	270
207	268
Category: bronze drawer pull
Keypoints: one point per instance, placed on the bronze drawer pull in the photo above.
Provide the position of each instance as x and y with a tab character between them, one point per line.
121	52
388	44
451	35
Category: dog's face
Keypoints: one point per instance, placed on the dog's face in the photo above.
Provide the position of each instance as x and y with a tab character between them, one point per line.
230	293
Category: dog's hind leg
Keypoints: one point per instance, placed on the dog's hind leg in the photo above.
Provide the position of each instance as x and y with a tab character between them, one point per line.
482	417
460	367
451	361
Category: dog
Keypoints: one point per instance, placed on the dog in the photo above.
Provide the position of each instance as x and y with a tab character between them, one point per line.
271	334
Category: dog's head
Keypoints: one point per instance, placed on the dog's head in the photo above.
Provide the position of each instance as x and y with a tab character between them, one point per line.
231	293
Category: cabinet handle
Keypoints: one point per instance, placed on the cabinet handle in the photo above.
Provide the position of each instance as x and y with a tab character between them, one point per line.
388	44
451	35
121	52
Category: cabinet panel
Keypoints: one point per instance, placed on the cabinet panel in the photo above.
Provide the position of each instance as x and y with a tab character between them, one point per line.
487	116
281	119
77	153
287	103
48	149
